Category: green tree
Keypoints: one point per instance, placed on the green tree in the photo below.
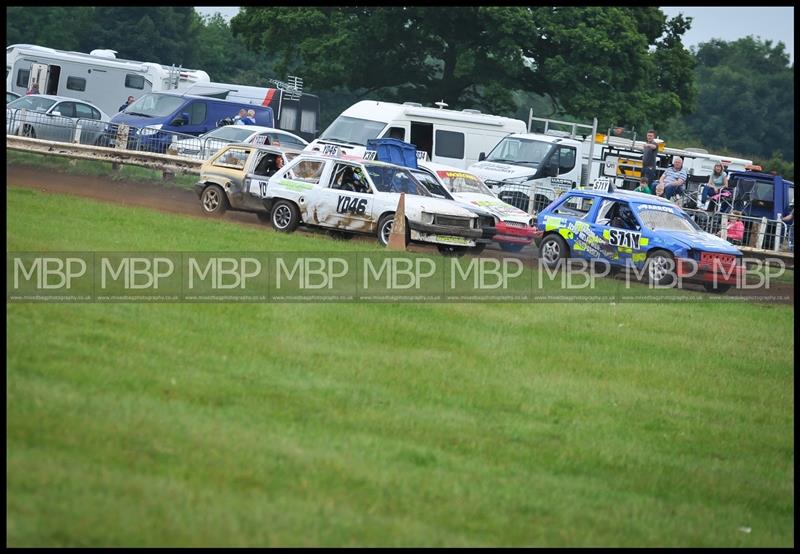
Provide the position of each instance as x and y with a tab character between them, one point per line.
745	98
620	64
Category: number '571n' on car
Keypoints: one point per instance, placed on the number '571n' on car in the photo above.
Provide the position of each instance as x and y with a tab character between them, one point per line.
630	229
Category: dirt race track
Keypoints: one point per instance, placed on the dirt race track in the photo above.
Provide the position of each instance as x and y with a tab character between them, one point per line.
184	201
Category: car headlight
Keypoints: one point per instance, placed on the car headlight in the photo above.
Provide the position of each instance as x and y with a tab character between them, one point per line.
151	129
426	218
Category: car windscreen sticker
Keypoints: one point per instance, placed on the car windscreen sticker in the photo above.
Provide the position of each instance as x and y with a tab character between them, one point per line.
654	207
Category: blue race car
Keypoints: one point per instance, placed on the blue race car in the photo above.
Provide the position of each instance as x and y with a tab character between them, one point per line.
635	230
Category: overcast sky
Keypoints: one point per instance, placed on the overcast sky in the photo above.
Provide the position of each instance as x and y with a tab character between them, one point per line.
769	23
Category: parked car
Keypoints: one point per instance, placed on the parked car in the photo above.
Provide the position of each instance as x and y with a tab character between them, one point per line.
514	228
55	118
155	119
226	177
207	144
11	96
634	230
359	196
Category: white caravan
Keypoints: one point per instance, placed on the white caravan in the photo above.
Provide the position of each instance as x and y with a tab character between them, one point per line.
106	81
451	137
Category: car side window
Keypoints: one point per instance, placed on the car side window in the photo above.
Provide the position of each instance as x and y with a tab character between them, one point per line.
83	111
309	170
233	158
615	213
575	206
197	113
566	159
350	178
66	109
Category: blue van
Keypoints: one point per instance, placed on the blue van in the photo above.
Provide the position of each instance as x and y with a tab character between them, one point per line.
156	112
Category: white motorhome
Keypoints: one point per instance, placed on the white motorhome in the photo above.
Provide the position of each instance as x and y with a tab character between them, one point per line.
449	137
98	77
106	81
530	170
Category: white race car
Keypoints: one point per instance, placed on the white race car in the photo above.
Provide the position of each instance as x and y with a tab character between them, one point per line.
359	196
514	227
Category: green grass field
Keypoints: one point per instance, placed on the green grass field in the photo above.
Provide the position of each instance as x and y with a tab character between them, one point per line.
394	424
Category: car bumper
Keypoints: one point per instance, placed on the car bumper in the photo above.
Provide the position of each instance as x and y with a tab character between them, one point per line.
447	230
513	234
691	270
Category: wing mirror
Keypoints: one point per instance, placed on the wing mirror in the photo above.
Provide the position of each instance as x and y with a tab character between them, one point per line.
481	156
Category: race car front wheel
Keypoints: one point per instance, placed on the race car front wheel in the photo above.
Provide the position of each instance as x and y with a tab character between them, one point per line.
285	216
660	268
553	250
213	201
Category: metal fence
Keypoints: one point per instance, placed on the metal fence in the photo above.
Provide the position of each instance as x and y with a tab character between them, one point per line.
758	233
101	133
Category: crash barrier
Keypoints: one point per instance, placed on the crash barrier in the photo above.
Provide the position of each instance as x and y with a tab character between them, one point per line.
759	233
55	128
161	162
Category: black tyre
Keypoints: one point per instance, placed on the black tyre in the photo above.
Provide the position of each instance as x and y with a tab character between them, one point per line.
385	224
660	267
720	288
285	216
511	247
213	201
552	250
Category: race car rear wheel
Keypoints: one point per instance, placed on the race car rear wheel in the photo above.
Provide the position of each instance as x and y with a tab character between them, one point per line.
720	288
552	250
285	216
511	247
660	267
213	201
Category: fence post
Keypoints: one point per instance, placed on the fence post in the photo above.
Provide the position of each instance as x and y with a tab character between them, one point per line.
530	198
724	224
762	227
779	224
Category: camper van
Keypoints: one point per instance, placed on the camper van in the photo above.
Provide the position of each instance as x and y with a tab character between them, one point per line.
106	81
98	77
157	116
451	137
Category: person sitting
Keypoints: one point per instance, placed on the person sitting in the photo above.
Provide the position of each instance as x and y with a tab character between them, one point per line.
250	118
644	186
672	181
269	165
712	191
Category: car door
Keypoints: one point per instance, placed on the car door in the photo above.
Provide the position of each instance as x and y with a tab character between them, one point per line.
88	121
60	124
345	201
619	230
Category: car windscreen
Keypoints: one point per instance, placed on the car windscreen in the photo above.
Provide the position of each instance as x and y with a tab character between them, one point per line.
155	105
460	182
662	220
33	103
351	130
520	151
431	184
387	178
233	133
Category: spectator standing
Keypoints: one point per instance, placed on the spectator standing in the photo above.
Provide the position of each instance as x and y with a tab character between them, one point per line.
789	220
251	117
649	149
34	88
672	181
127	103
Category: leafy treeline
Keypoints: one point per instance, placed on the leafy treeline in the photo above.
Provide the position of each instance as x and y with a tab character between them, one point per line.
627	66
164	35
